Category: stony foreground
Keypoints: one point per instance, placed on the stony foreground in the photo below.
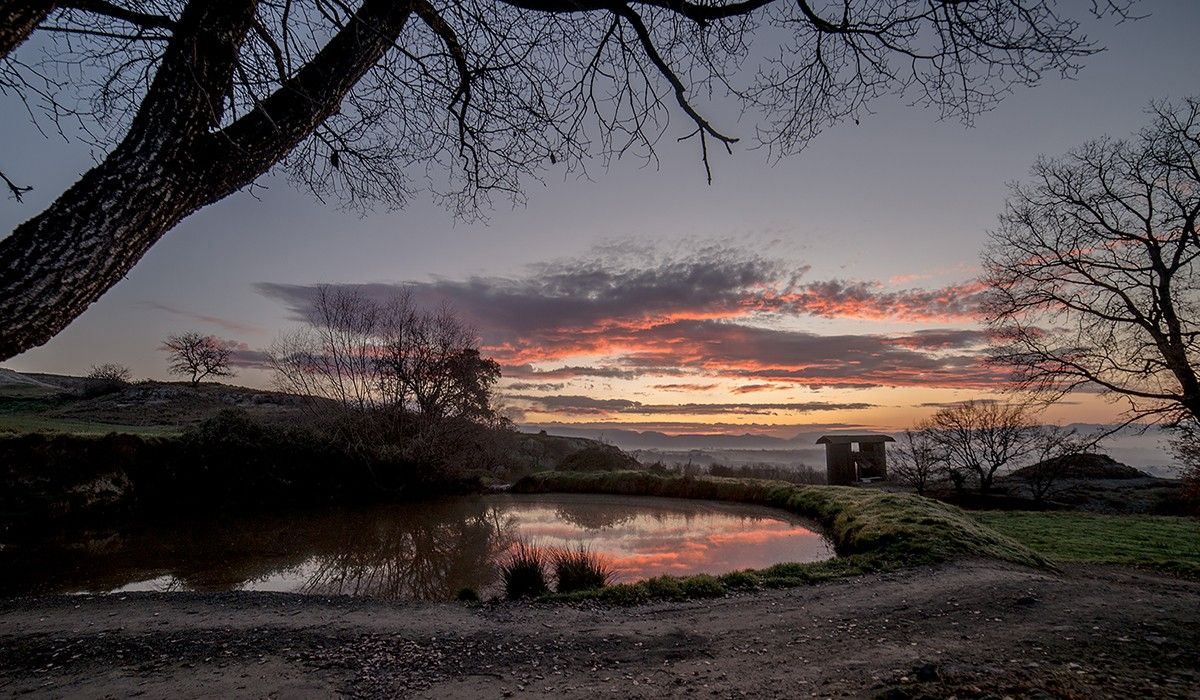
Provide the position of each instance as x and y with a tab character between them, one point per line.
971	630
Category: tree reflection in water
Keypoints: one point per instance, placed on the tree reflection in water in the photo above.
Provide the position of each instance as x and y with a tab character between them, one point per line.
429	550
425	558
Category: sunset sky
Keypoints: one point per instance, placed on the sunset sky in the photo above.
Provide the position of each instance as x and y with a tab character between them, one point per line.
835	288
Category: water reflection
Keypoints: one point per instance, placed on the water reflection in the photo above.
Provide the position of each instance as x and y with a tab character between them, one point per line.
429	550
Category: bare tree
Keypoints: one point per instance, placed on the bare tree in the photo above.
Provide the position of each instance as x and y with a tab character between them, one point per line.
197	356
332	355
982	437
1050	457
357	353
1185	445
1093	270
111	372
193	100
917	458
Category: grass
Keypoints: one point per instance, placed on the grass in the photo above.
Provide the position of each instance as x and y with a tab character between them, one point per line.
871	530
579	569
27	409
23	423
524	573
1163	543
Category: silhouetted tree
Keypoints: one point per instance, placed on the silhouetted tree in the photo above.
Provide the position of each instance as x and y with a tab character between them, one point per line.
1050	457
197	356
982	437
194	100
391	356
1093	273
917	458
111	372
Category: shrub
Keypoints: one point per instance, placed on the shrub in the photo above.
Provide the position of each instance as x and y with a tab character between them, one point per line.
525	572
467	595
598	458
111	372
108	378
579	569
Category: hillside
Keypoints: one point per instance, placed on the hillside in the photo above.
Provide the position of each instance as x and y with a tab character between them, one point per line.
64	404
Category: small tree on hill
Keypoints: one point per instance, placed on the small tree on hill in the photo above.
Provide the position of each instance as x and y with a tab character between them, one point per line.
197	356
1051	453
917	458
111	372
981	438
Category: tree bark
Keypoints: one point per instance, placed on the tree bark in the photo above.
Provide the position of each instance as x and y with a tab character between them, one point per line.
18	19
172	162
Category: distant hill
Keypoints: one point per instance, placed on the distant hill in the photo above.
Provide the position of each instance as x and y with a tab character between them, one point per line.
654	440
1085	466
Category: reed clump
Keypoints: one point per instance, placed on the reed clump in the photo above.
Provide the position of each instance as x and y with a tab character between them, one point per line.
524	572
579	569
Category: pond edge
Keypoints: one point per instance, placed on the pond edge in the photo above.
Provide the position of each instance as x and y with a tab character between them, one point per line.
871	530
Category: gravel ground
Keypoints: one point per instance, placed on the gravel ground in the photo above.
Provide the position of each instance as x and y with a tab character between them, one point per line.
970	630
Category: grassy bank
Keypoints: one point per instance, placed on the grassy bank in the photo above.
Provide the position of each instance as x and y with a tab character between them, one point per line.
1164	543
871	530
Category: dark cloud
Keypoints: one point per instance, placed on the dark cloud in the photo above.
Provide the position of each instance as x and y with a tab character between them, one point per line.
716	312
585	405
751	352
527	371
942	339
754	388
536	386
846	299
232	326
683	386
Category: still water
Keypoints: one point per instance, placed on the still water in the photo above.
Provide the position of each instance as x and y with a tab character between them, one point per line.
428	550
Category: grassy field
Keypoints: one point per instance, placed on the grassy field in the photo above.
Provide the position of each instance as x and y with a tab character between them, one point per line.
1160	542
21	422
871	530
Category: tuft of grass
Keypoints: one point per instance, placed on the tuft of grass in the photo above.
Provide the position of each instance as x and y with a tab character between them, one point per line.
525	572
579	569
1163	543
871	530
467	595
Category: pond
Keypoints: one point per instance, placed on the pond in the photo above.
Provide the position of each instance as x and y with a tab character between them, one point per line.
428	550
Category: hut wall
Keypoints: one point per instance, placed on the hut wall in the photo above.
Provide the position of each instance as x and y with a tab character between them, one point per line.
839	464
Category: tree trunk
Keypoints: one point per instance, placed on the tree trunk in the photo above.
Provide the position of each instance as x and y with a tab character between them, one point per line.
172	162
18	19
55	265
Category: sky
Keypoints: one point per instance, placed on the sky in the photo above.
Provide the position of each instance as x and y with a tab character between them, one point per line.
833	289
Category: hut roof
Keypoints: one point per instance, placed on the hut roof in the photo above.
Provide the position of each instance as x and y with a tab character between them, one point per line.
843	439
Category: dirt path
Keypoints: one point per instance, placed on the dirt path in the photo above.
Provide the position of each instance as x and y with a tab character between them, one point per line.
974	630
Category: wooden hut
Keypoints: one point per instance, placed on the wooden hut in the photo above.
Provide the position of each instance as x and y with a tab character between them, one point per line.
851	458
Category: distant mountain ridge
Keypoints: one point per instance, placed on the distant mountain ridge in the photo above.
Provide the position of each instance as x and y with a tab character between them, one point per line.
655	440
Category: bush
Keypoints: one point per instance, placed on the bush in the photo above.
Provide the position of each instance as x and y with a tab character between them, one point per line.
467	595
598	458
579	569
111	372
525	572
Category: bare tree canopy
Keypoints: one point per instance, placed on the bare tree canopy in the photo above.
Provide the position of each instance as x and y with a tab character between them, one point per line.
197	356
1093	271
918	459
111	372
389	357
979	438
195	100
